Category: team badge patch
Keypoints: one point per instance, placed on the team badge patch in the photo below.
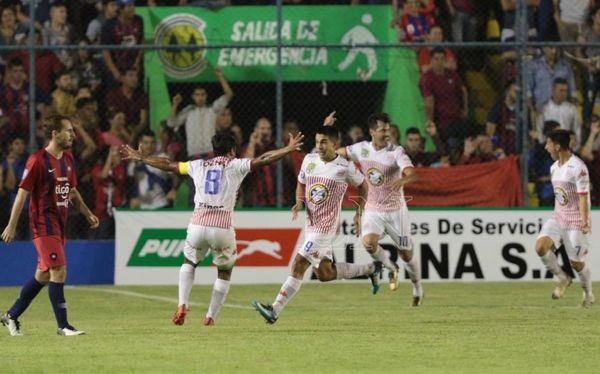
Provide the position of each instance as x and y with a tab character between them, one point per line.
375	176
318	193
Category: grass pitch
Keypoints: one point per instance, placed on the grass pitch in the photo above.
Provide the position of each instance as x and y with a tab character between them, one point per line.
327	328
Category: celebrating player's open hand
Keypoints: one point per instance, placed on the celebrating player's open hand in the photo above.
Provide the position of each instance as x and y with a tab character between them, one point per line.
295	142
128	153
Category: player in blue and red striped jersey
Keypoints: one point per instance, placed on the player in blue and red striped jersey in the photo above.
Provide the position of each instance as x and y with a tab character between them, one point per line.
50	179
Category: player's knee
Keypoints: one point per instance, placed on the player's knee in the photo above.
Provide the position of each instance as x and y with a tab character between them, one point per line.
405	255
370	244
58	274
325	274
42	277
577	265
224	274
542	246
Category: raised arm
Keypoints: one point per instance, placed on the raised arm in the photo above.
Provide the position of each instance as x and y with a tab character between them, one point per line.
330	121
8	235
227	91
267	158
162	163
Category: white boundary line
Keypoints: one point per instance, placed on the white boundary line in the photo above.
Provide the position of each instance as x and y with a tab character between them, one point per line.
148	297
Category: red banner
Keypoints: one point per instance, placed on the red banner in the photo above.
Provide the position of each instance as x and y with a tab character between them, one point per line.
489	184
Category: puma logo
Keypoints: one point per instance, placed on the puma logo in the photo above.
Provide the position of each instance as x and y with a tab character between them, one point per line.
266	247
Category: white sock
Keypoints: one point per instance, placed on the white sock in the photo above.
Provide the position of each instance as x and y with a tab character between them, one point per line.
383	256
186	281
551	263
586	279
220	290
414	273
348	271
287	291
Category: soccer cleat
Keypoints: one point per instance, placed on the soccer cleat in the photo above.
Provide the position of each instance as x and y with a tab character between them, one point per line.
179	316
418	300
266	311
588	300
208	321
374	277
69	331
394	278
13	325
561	286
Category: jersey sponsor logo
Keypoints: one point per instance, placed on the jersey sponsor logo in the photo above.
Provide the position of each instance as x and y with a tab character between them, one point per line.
310	167
583	173
255	247
186	30
318	193
375	176
364	152
561	196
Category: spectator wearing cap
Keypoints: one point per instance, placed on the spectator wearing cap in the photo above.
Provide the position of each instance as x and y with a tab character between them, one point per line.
127	29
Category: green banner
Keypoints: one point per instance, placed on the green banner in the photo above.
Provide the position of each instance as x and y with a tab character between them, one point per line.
235	26
257	25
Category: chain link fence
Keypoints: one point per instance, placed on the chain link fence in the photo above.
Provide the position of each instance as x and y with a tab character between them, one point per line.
462	88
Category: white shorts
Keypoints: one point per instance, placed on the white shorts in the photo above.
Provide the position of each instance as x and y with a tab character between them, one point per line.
221	243
317	247
394	223
576	243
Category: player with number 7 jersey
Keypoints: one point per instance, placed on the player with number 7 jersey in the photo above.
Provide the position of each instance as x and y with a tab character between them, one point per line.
217	181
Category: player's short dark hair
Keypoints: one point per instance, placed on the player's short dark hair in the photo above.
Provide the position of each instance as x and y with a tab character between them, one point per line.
560	137
412	130
148	133
549	126
329	131
54	123
559	80
377	117
223	142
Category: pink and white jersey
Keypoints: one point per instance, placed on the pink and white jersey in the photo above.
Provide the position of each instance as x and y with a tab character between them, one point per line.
381	168
326	183
569	181
217	182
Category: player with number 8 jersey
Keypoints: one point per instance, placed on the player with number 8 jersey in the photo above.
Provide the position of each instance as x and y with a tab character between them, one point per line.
217	182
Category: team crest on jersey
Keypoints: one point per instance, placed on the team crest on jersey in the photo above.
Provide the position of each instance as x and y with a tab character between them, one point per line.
364	152
375	176
318	193
561	196
310	167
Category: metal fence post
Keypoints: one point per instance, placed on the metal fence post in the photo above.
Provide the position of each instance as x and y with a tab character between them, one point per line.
279	105
32	147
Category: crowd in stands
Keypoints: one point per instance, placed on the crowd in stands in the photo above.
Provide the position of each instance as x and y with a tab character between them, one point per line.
103	91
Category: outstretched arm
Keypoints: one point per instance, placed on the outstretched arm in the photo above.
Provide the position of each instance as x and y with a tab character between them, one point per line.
330	121
162	163
267	158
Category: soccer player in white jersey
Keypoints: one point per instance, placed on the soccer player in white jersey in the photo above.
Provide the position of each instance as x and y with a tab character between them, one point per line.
322	182
217	181
387	168
570	223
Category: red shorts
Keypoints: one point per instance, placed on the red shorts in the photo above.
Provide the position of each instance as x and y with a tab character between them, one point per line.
51	252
